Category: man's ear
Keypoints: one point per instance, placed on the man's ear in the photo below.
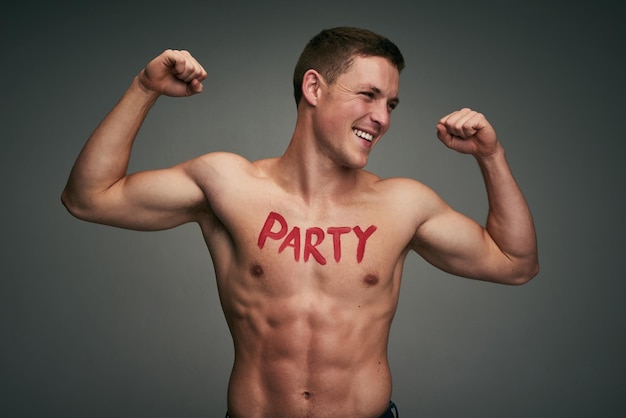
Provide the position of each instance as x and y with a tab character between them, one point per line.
311	87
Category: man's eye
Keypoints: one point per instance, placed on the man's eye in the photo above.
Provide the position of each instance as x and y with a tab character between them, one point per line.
368	94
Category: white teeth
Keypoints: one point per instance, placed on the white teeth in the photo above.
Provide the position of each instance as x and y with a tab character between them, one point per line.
364	135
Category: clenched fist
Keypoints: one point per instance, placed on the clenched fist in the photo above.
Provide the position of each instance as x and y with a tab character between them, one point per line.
173	73
468	132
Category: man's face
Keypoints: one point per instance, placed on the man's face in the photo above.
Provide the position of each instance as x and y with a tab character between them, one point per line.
355	111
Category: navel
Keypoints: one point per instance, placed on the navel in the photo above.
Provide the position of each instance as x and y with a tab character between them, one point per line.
306	395
370	280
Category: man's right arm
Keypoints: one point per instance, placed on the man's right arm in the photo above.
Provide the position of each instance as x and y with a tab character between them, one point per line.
99	188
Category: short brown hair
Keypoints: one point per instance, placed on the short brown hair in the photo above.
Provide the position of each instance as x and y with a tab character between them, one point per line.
331	52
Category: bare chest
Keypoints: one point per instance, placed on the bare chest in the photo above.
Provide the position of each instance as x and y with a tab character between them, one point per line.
316	243
282	250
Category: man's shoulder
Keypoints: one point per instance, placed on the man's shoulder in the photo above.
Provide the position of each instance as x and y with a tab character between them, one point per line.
402	186
222	159
221	164
224	175
408	195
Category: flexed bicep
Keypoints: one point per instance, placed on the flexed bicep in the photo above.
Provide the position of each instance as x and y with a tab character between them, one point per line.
99	188
146	200
459	245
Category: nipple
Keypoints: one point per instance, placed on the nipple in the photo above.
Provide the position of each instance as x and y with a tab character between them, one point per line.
370	280
256	270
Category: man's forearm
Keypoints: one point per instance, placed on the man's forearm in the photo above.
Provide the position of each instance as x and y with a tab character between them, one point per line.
510	222
104	158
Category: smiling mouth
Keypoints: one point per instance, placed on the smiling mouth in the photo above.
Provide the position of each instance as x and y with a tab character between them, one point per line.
361	134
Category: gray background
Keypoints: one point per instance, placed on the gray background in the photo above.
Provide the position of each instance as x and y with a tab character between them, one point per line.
102	322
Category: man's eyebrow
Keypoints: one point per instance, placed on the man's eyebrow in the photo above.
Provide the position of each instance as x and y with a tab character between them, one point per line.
371	88
378	92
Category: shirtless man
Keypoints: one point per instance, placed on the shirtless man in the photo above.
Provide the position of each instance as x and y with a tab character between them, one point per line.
308	248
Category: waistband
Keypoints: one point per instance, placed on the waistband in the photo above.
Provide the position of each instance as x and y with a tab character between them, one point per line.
391	412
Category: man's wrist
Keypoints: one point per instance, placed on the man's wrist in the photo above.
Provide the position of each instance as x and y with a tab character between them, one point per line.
137	85
494	155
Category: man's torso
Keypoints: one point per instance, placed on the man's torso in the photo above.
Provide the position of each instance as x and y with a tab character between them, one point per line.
309	290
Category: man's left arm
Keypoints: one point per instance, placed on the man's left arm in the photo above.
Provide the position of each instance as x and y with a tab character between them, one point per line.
505	250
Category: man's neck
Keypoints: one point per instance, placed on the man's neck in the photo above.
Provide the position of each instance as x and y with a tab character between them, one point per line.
305	171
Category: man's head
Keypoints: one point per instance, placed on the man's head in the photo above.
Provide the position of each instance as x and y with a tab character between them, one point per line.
332	51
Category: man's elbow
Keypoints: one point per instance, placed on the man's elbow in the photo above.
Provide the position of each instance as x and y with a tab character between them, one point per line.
70	203
76	206
524	273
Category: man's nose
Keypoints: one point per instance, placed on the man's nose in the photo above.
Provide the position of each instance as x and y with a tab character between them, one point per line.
381	114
